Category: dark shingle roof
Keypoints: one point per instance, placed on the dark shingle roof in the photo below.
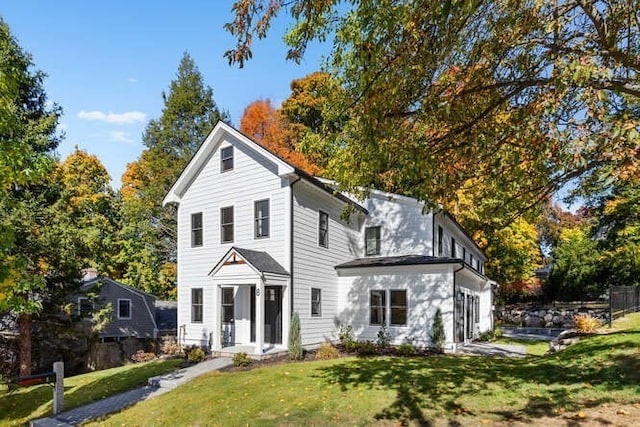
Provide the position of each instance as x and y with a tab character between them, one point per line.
397	260
262	261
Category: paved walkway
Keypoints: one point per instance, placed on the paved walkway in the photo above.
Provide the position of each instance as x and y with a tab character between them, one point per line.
490	349
157	386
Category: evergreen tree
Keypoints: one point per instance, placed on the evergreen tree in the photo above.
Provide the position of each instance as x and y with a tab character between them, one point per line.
437	336
148	235
296	351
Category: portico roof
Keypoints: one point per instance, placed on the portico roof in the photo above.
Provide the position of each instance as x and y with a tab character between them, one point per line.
260	261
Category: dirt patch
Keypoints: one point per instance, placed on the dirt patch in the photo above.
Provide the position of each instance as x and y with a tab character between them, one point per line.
608	414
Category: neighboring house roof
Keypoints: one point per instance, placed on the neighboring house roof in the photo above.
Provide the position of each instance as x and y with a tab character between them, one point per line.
262	262
90	283
167	315
208	146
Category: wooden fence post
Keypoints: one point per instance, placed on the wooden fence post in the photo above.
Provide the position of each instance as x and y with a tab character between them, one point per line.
58	389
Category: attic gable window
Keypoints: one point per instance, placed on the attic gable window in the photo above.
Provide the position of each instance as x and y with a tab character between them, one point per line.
323	229
226	159
196	229
372	240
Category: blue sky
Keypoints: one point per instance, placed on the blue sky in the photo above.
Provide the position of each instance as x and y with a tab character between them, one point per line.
108	63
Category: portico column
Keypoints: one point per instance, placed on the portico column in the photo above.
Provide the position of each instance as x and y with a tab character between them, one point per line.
217	326
259	296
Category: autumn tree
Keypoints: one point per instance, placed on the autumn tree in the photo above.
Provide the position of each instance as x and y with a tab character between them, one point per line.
537	92
263	123
148	236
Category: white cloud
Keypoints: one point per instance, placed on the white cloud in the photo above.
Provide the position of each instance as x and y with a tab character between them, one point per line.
120	136
122	118
132	80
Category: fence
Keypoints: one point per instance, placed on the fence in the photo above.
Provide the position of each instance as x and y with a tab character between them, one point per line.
623	300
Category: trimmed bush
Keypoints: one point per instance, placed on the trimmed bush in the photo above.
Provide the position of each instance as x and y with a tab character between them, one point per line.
196	355
406	349
384	339
327	351
241	359
586	324
437	332
296	351
366	348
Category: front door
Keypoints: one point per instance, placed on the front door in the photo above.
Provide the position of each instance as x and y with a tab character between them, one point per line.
273	315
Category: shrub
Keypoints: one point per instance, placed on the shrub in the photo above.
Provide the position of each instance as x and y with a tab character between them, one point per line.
437	332
170	347
406	349
383	340
366	348
345	336
241	359
327	351
586	323
142	356
196	355
295	341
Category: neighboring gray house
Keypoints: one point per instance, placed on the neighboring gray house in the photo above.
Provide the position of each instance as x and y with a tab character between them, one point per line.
133	312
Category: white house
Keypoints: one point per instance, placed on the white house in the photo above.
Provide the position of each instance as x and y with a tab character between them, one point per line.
259	239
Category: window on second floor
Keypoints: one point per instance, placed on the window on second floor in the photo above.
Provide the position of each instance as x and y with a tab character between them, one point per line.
261	213
372	236
440	238
323	229
226	159
453	248
196	229
85	308
226	225
124	309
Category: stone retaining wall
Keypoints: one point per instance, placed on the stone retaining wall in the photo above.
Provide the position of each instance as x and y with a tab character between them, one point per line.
549	317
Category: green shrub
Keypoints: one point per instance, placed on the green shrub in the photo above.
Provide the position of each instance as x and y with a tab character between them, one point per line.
241	359
345	336
487	335
296	351
366	348
407	349
196	355
327	351
142	356
384	339
437	332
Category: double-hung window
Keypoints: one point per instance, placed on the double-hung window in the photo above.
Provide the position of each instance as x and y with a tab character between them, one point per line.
453	248
316	302
85	307
398	308
226	159
378	307
124	309
196	305
261	213
226	225
372	240
196	229
323	229
227	305
440	238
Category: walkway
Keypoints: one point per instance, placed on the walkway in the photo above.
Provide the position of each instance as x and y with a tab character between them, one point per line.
490	349
157	386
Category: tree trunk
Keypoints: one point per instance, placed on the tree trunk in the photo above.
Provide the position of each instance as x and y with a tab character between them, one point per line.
24	344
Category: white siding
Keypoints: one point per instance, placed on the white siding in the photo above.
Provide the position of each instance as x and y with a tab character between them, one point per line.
472	284
428	288
405	229
313	264
253	178
450	229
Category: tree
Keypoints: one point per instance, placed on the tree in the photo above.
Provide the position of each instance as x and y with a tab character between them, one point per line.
148	236
537	92
262	122
27	138
437	335
296	351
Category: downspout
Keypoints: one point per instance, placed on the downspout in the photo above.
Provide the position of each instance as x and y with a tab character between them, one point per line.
455	319
291	244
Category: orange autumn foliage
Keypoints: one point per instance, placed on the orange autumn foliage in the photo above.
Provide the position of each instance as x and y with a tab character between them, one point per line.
263	123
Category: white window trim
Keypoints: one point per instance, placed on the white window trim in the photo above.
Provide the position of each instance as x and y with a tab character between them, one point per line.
315	316
406	291
191	304
232	158
201	230
385	308
320	212
379	253
268	200
233	225
130	309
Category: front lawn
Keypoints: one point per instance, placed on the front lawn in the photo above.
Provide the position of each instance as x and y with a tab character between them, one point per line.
601	370
24	404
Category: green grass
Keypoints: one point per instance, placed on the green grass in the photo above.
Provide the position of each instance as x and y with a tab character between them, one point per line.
23	404
433	390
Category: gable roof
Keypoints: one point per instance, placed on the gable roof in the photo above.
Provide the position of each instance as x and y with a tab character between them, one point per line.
260	261
211	143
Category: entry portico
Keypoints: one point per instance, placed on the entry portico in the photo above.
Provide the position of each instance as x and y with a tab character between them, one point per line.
252	289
